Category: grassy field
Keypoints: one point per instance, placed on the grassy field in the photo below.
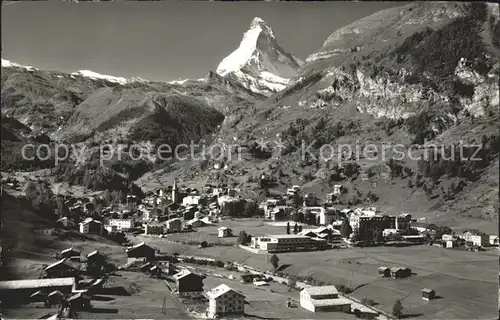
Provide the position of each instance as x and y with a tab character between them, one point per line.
209	233
466	282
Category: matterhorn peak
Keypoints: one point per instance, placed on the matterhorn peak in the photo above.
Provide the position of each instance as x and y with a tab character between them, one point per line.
259	62
260	23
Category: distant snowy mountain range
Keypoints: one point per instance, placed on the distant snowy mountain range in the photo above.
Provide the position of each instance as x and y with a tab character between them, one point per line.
82	73
259	64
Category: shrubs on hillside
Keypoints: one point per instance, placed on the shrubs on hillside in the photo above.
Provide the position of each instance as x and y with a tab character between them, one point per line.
40	196
12	157
95	177
461	161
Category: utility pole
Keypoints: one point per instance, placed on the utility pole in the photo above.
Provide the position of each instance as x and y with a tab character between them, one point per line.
350	278
163	306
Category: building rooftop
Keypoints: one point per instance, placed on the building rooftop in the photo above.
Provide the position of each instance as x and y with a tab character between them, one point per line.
55	264
36	283
137	246
321	290
93	253
220	290
287	236
69	249
340	301
183	273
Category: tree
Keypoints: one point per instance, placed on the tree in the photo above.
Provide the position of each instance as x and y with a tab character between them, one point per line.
62	209
397	309
295	228
377	236
345	229
297	200
355	235
288	228
242	238
300	228
275	261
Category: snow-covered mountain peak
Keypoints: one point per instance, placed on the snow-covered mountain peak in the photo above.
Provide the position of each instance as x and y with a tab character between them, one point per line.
259	59
264	27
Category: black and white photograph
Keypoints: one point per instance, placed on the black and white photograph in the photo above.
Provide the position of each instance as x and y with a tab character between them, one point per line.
249	160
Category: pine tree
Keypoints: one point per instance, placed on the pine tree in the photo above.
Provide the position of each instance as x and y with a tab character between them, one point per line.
397	309
295	228
345	229
275	261
288	228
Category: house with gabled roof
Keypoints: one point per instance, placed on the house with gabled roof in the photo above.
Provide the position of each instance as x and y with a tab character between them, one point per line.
141	251
323	298
59	269
224	301
188	284
69	252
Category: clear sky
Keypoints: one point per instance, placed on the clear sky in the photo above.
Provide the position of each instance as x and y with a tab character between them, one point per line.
161	40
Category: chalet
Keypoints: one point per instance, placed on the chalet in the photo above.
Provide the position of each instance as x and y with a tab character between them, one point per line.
153	228
188	284
224	301
95	257
174	225
59	269
54	297
38	296
384	272
92	226
69	253
224	232
141	251
196	223
323	298
428	294
64	222
400	272
80	301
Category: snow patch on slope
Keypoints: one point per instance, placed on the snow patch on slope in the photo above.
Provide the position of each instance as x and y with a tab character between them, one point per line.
95	75
10	64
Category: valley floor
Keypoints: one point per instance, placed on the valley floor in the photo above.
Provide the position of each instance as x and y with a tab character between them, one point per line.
466	283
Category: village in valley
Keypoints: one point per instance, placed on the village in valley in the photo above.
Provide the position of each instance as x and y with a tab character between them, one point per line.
209	253
160	164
